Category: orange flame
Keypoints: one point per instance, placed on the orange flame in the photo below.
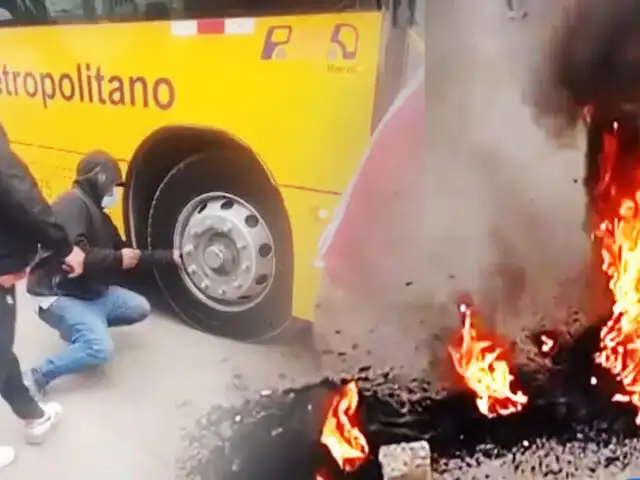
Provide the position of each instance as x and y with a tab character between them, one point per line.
620	337
620	239
340	433
485	371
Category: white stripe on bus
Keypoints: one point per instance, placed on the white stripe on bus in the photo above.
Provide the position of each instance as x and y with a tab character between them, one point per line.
239	26
184	28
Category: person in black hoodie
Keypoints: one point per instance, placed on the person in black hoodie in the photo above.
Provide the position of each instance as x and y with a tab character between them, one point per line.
83	308
27	226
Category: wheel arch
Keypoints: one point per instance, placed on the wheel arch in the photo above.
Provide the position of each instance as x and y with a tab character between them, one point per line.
163	150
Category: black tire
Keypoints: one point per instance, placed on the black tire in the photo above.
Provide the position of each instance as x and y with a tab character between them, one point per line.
201	174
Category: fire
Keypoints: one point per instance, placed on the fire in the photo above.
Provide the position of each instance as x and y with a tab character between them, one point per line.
485	371
340	433
620	238
620	337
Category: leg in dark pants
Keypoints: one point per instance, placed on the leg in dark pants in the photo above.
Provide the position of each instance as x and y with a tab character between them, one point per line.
12	387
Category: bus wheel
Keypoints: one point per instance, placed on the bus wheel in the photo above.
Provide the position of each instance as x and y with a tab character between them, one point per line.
236	277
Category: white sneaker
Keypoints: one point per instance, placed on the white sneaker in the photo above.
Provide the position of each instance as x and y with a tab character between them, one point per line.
7	455
37	431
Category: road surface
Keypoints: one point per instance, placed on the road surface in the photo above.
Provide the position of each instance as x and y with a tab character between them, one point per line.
128	421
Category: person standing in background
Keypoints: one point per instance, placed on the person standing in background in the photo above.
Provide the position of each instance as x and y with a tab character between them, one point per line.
27	227
515	10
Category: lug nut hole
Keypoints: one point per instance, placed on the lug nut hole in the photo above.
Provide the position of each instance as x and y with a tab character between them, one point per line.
265	250
251	221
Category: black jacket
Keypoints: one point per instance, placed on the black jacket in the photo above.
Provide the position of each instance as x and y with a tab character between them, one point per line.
93	231
26	219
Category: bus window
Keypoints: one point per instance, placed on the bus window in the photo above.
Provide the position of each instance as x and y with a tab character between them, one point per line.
38	12
121	10
5	15
66	11
23	12
207	8
157	11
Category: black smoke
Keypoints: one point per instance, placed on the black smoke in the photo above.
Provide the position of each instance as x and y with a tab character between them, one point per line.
590	56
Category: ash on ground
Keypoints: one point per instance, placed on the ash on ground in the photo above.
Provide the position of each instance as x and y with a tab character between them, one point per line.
569	429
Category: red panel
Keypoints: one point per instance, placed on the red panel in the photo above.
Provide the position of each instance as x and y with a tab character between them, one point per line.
361	240
211	26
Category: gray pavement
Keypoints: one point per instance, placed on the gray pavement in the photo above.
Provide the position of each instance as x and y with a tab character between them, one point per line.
128	421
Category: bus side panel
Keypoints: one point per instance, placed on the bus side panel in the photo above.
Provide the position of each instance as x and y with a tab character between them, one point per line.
300	101
298	90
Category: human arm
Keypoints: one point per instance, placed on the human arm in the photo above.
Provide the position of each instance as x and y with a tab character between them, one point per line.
156	258
76	217
23	205
99	261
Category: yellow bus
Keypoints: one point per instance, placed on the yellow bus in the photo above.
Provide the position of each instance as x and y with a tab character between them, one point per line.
238	124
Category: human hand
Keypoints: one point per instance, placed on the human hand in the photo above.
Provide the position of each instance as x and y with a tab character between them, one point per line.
130	257
177	257
74	263
11	279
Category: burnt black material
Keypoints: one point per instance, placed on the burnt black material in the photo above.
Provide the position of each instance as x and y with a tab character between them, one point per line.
590	59
276	436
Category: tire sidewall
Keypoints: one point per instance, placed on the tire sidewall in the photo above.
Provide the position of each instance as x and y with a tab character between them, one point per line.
198	175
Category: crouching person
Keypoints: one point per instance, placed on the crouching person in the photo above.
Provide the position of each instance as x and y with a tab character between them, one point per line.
83	308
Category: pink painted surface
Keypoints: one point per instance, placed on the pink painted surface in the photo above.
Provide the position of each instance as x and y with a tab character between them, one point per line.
357	244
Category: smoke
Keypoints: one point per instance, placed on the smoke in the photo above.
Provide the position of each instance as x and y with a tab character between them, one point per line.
590	56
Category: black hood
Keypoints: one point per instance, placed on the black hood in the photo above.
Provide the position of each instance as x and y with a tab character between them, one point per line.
96	174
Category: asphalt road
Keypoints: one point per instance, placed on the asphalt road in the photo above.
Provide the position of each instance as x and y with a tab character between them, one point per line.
129	420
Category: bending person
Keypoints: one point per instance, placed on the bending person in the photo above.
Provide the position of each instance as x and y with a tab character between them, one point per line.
82	309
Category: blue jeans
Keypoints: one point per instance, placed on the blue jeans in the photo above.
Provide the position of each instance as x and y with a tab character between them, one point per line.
84	324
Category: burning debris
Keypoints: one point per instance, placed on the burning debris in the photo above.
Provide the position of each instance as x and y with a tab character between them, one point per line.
616	206
589	397
334	431
485	370
340	432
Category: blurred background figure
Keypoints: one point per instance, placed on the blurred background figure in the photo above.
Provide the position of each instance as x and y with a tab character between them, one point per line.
515	10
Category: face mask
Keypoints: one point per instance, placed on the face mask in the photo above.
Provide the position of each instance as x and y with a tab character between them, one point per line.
110	199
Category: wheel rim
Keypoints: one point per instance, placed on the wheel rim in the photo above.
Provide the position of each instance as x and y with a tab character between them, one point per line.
228	252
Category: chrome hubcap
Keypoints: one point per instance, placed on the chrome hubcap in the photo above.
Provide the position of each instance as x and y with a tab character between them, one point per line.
228	252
